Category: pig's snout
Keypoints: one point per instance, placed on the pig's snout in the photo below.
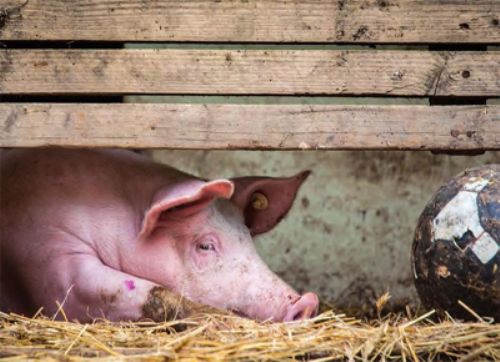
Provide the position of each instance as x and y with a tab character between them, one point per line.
305	307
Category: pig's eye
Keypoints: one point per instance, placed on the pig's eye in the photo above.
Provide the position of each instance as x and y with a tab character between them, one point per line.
205	250
205	246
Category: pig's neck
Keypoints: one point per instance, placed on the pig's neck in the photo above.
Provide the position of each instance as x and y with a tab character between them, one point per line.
138	183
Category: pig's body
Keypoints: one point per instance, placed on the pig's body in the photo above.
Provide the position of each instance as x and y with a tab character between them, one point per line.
109	232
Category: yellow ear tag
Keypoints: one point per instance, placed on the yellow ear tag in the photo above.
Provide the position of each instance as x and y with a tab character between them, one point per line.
259	201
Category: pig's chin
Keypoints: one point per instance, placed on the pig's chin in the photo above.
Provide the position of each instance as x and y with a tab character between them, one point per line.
261	315
269	311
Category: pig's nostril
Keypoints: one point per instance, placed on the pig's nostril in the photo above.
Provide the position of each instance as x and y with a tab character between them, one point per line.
298	316
305	307
314	312
300	312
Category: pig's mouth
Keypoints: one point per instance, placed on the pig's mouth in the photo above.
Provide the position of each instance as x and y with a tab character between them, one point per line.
241	314
238	313
303	307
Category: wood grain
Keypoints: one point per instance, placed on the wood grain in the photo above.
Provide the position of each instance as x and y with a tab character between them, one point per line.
201	71
352	21
224	126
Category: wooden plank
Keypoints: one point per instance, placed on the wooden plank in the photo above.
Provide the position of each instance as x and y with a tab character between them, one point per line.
229	126
201	71
352	21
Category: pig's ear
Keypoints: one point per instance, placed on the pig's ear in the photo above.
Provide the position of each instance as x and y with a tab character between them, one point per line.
181	200
265	200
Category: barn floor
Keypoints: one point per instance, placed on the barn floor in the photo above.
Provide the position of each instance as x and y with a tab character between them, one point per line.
327	337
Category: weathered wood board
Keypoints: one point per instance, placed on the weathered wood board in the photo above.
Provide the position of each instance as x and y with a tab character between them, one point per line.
352	21
223	126
201	71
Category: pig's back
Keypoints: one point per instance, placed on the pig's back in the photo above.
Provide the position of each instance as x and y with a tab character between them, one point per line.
52	180
49	169
86	200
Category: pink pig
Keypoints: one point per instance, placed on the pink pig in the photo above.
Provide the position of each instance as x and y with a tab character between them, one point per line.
111	234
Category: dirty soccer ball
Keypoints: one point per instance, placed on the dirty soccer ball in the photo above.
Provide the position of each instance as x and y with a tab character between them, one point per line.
456	253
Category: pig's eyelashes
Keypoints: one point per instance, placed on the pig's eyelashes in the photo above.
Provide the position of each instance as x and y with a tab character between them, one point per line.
207	244
205	247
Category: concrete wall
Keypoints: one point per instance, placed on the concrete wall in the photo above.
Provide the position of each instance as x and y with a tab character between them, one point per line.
349	234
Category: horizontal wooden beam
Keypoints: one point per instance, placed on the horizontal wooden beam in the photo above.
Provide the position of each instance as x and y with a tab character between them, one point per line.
224	126
304	72
352	21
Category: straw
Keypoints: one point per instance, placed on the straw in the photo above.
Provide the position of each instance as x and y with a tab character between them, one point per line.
327	337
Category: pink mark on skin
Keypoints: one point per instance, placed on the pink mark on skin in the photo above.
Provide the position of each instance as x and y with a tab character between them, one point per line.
130	284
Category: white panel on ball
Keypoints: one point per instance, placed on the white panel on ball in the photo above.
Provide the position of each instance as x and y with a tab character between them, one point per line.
458	217
485	248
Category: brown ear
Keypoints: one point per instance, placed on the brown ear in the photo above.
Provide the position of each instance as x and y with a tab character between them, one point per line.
183	199
265	200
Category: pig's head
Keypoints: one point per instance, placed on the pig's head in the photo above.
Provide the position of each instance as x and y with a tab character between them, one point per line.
197	240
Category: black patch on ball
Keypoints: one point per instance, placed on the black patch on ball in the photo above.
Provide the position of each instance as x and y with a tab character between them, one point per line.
465	240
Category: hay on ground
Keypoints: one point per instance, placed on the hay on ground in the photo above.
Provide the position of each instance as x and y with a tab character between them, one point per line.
328	336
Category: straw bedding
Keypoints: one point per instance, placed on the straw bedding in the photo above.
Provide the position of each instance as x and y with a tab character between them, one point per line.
327	337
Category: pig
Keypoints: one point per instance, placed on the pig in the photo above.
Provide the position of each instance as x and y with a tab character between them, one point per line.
112	234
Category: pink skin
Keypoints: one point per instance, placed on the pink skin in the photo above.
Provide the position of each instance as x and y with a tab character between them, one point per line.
100	229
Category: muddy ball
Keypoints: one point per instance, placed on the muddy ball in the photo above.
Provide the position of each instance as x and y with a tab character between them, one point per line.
455	252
